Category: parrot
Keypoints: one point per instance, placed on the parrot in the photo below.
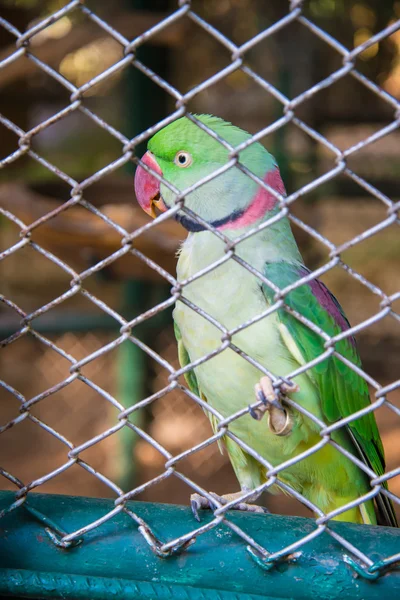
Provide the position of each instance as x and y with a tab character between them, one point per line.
184	155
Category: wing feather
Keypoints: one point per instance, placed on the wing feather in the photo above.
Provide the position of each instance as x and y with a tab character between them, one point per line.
191	380
342	391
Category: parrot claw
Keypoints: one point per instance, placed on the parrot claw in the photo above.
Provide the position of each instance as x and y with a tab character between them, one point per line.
255	413
279	418
198	502
273	401
195	510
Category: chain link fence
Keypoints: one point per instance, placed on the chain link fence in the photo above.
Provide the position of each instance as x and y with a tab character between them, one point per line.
78	281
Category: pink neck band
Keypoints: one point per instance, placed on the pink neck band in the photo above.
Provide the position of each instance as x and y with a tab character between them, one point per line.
262	202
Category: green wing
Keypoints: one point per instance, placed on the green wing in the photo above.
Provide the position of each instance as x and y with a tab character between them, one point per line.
184	360
191	380
342	390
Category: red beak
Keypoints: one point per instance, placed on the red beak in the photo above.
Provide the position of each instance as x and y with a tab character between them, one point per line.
147	187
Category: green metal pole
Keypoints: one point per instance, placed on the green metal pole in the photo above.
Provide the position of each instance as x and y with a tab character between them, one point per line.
132	368
115	561
131	385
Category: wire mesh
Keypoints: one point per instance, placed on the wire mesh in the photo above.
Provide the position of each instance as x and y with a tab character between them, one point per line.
25	50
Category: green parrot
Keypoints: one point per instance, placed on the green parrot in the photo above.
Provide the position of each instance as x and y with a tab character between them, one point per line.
183	154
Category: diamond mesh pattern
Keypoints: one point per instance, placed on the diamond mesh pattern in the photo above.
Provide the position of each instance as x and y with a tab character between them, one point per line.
25	50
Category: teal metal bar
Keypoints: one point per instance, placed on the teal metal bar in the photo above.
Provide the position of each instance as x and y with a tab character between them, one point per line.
114	560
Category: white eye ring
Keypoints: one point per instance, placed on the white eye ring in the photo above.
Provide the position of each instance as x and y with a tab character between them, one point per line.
183	159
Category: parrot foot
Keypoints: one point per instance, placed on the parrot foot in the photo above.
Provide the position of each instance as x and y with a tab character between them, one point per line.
279	418
198	502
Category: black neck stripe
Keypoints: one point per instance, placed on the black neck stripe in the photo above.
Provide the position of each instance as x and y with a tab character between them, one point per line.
193	226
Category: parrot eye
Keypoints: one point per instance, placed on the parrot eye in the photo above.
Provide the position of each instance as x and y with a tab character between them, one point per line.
183	159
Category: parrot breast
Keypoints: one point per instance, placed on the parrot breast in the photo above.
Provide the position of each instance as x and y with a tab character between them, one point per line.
233	296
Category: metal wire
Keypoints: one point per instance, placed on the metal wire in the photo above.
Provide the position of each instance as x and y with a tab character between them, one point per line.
364	565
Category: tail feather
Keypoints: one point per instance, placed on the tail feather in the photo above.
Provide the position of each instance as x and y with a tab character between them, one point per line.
385	514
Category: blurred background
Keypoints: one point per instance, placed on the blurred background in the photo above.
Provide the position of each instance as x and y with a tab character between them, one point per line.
293	60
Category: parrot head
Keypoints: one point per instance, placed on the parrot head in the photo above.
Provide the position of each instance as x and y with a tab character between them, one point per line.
183	154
